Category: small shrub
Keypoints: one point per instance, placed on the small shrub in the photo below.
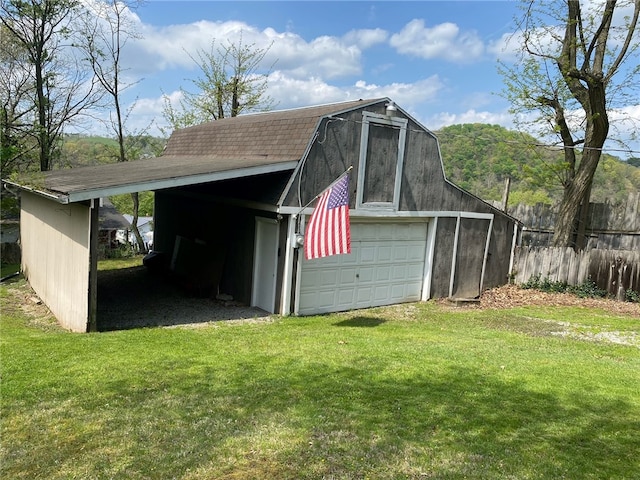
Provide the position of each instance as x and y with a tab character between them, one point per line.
553	287
632	296
545	285
588	289
532	283
121	251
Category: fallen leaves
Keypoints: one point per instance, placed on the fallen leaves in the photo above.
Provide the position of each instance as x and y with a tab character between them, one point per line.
509	296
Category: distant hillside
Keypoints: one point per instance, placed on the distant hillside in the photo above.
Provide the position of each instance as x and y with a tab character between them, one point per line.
82	150
479	158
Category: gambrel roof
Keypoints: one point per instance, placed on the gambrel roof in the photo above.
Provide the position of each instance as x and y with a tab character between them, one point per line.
228	148
267	138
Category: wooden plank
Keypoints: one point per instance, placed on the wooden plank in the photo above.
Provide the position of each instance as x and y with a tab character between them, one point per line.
609	269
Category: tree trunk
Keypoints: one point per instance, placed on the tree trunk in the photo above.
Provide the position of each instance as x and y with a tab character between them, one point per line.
576	193
142	247
42	119
583	219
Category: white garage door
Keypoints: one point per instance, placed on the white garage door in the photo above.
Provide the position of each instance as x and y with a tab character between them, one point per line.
386	266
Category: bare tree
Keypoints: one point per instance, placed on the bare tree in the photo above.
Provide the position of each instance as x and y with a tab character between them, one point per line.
107	29
63	89
16	107
576	67
228	86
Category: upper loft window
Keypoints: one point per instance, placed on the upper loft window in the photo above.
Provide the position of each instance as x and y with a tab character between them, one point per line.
382	144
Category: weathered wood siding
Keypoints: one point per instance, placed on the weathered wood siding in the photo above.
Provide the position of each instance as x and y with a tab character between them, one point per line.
443	255
612	270
334	150
471	246
423	188
56	256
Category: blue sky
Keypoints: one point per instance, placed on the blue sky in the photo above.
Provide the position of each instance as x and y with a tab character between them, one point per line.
435	59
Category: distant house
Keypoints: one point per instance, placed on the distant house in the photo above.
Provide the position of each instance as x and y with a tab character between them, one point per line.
145	227
110	222
230	200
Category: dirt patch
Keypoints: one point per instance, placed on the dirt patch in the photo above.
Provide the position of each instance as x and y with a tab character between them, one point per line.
26	300
510	296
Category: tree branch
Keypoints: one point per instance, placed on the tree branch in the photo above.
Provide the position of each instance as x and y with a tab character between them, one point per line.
627	42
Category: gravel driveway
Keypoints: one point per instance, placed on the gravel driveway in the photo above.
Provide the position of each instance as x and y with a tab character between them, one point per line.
133	298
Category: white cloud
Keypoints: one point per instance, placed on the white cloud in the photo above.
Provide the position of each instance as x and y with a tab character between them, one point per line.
508	48
324	56
291	92
366	38
443	41
443	119
155	106
172	47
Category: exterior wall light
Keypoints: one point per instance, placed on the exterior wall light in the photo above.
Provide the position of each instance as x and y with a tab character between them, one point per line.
391	108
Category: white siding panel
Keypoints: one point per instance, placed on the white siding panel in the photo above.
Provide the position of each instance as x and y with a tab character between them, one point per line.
55	256
386	266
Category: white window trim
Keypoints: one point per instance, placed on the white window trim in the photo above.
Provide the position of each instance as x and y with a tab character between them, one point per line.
396	122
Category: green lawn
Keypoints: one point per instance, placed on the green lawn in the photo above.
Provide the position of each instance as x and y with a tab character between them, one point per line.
9	269
410	392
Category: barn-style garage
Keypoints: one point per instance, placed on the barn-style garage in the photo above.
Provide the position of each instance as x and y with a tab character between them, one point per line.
233	197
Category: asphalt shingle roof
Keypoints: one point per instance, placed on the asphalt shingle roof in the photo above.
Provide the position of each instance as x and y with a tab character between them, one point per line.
238	146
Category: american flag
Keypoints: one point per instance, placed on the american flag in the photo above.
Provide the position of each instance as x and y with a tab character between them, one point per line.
328	231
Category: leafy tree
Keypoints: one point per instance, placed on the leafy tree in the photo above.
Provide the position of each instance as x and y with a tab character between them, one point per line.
614	180
228	86
81	150
62	87
575	68
124	203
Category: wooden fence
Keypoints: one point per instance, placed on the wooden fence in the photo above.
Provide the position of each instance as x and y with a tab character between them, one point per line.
613	226
615	271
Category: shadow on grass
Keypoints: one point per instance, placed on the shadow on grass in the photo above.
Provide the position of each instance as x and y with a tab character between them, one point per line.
361	321
286	420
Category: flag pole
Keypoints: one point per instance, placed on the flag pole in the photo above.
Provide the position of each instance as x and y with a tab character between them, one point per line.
327	188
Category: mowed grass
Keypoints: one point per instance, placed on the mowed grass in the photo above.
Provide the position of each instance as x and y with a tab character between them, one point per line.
407	392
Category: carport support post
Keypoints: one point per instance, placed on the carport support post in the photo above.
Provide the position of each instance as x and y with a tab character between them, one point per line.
92	304
285	303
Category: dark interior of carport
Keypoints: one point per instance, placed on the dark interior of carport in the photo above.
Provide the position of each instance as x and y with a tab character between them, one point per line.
201	267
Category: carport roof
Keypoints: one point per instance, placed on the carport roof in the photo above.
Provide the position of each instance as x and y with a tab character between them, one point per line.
235	147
